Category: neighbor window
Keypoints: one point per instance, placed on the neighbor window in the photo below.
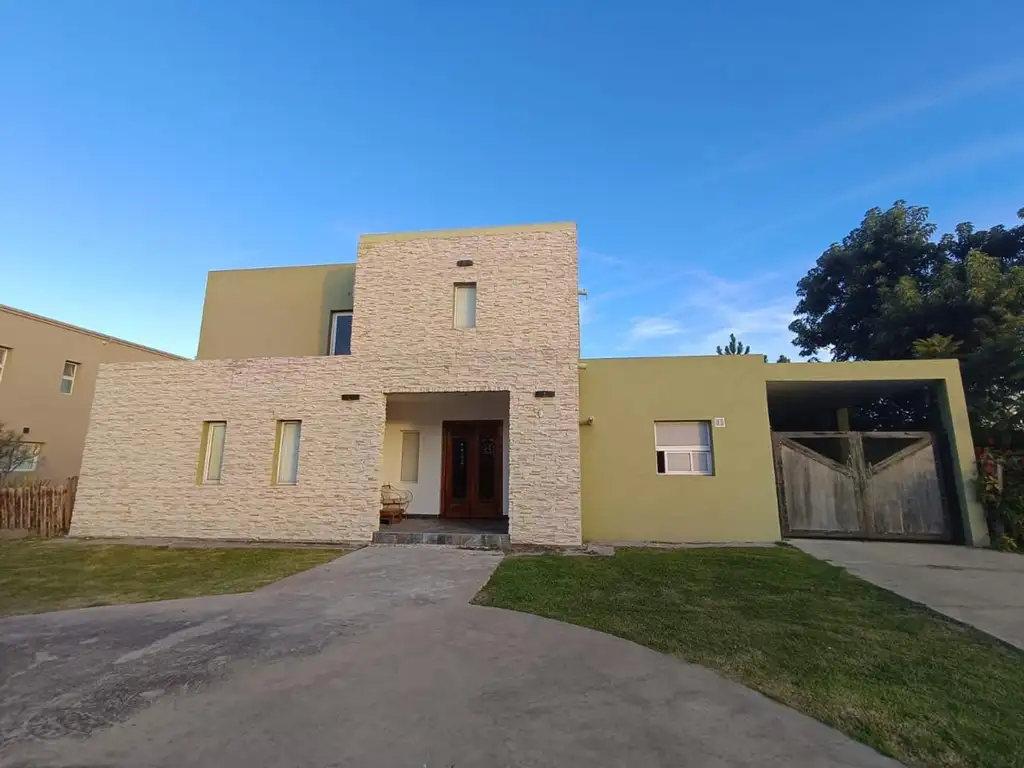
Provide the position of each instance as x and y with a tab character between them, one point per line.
20	457
212	457
67	379
3	360
683	447
465	305
410	457
341	333
286	472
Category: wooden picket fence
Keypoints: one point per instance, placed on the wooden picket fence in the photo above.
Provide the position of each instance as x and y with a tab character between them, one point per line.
43	509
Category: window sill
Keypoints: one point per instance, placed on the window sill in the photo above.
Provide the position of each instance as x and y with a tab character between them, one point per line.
685	474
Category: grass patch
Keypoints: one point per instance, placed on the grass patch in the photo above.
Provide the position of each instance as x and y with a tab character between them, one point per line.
891	673
39	575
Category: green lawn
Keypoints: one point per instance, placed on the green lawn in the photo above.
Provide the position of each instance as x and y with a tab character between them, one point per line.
39	575
888	672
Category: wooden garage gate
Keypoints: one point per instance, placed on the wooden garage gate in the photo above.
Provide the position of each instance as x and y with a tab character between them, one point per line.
874	485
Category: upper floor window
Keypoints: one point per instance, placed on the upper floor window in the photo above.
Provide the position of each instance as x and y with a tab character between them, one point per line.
683	447
465	305
341	333
67	380
3	360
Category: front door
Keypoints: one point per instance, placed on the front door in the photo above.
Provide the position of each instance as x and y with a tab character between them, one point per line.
471	477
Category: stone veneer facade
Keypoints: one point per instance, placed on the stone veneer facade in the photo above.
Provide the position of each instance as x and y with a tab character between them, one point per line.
138	473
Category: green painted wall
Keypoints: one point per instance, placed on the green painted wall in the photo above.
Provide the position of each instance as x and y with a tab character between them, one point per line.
276	312
624	499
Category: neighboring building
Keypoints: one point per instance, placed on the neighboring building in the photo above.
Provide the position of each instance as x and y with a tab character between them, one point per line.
447	364
47	379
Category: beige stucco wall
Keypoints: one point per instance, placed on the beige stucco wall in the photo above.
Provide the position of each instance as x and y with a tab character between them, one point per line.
30	394
625	499
274	312
147	419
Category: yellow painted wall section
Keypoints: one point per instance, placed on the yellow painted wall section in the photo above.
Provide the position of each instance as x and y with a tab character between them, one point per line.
625	499
275	312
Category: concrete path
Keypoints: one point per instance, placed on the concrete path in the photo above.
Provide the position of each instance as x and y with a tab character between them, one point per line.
976	586
374	660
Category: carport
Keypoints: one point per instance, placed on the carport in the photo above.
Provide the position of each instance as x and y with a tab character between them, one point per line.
874	450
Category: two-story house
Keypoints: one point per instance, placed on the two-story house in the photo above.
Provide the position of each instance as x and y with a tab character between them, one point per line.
447	364
47	378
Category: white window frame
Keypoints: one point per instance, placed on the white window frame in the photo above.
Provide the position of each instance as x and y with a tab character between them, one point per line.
4	352
334	331
281	424
210	425
455	306
688	449
70	379
32	463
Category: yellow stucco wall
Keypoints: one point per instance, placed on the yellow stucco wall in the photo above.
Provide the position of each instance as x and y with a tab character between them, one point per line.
274	312
624	499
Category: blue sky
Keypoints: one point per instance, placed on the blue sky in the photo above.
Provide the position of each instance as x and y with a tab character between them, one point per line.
709	154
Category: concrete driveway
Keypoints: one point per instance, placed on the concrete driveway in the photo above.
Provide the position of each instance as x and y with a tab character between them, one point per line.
376	659
975	586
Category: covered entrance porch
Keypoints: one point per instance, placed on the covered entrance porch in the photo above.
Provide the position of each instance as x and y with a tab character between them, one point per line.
445	465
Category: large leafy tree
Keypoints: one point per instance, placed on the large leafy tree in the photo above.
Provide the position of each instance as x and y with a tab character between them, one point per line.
891	291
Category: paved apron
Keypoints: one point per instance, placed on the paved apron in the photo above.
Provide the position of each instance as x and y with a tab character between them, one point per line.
375	659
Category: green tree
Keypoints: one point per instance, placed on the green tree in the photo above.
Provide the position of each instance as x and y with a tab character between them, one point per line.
890	291
783	359
734	347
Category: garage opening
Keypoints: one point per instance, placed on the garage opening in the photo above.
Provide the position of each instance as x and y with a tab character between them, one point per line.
863	460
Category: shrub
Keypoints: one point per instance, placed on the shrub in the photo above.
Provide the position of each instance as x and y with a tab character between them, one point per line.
1001	486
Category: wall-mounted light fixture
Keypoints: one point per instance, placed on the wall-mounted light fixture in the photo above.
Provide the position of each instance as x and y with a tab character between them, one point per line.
350	397
464	263
544	393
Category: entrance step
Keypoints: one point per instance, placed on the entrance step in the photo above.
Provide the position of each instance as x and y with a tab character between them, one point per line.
463	540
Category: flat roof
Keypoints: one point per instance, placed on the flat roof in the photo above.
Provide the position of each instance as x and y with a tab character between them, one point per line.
556	226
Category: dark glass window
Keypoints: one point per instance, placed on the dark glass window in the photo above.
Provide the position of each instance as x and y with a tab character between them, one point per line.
460	468
485	469
341	333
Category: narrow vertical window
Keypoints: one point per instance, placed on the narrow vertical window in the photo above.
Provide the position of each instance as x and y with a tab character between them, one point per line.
410	457
341	333
67	379
214	433
287	469
3	360
465	305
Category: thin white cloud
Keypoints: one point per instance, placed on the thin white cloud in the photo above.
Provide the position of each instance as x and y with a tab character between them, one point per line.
799	144
644	328
968	157
589	254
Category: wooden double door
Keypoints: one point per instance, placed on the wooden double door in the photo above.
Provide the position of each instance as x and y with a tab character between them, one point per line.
472	470
871	485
